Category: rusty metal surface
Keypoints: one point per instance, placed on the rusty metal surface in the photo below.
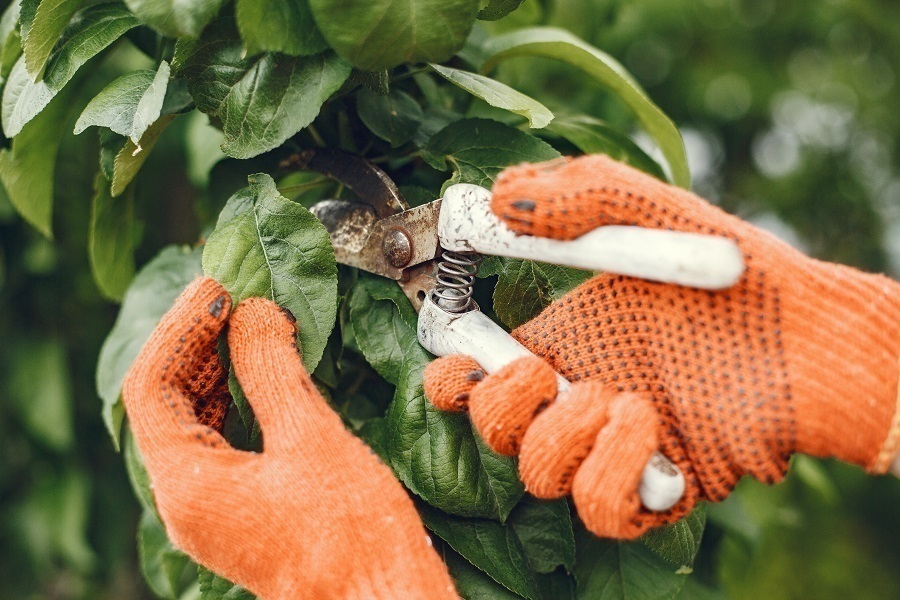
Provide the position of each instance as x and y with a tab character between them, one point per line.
370	184
380	233
359	238
397	248
419	282
348	223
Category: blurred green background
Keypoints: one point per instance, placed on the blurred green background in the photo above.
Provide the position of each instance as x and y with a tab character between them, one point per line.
790	116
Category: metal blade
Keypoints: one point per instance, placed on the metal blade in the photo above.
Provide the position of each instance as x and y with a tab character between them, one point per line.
380	233
387	247
370	184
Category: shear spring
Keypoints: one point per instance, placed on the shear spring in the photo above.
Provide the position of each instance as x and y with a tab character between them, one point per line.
456	280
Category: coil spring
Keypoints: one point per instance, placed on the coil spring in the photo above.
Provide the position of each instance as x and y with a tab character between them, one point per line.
456	280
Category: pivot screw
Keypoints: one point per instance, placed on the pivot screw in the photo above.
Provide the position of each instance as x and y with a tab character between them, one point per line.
397	248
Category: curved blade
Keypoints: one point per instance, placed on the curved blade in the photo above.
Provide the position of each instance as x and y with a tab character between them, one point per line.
370	184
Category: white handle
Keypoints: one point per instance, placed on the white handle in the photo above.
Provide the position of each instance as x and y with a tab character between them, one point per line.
472	333
467	223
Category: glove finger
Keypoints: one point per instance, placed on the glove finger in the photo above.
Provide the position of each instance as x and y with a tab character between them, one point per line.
450	379
504	405
564	199
207	388
560	438
605	486
266	360
157	391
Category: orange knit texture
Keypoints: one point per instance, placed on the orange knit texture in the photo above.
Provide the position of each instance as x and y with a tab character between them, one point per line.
799	356
316	514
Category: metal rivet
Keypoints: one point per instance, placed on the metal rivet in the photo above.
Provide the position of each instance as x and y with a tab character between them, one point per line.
397	248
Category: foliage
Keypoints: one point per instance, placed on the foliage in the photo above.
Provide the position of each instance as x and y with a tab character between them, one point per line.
196	107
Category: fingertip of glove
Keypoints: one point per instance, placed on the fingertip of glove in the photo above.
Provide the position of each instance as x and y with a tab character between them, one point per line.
560	198
449	380
561	437
263	318
208	298
505	405
605	488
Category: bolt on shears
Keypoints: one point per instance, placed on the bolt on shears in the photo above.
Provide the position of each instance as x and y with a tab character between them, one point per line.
433	252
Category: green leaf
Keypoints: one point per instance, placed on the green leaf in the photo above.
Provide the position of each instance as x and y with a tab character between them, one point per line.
245	411
10	40
525	287
545	530
497	9
89	32
558	585
376	81
149	297
436	454
278	26
265	245
277	97
678	542
27	11
110	145
478	149
559	44
498	94
128	105
175	18
262	101
606	570
814	475
48	23
213	64
137	473
111	240
385	330
203	144
161	564
694	590
593	136
394	117
213	587
473	583
26	169
129	160
41	389
488	545
54	518
380	34
435	119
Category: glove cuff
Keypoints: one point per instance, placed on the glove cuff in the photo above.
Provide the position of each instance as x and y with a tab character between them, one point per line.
842	356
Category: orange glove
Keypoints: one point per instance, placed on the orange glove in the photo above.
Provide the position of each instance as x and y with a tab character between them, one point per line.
316	515
799	356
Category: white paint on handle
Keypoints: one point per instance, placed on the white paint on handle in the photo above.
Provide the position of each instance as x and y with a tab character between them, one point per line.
472	333
467	223
662	484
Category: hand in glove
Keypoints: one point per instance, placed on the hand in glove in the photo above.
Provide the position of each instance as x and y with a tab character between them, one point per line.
799	356
316	514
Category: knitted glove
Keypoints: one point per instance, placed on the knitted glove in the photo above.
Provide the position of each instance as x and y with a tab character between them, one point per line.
316	514
799	356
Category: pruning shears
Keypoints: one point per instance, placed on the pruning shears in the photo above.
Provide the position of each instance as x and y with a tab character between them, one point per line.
433	252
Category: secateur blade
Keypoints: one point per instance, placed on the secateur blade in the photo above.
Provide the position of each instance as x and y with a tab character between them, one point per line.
379	233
